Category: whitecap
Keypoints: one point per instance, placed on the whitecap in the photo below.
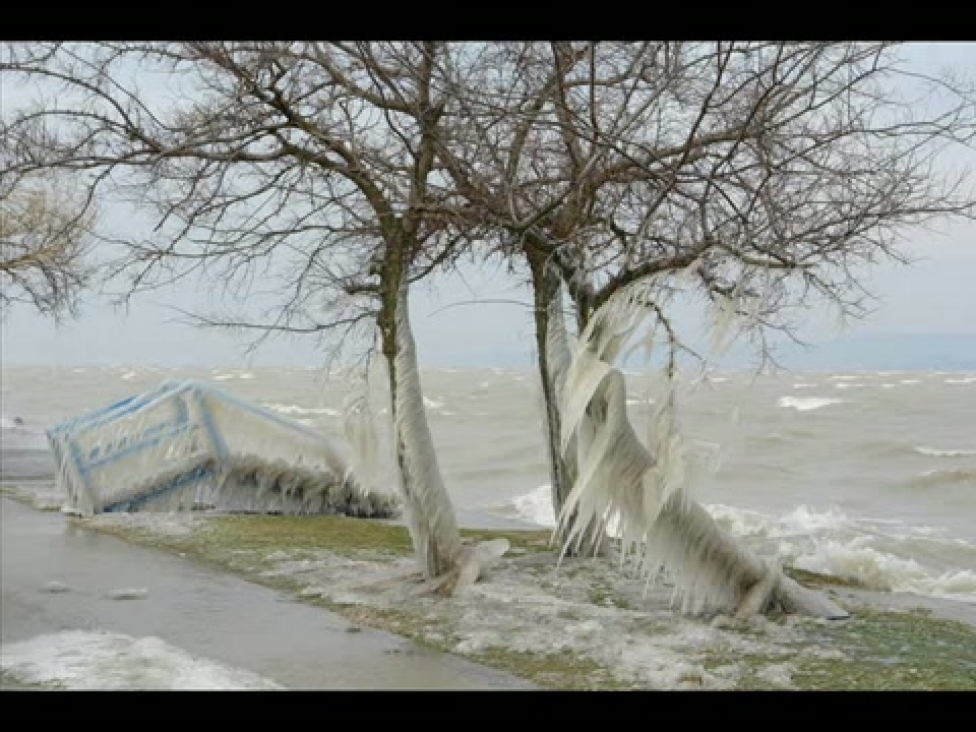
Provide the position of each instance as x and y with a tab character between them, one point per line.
880	570
536	507
295	409
944	476
966	380
806	404
938	452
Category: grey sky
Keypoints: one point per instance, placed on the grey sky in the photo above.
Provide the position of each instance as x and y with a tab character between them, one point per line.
936	295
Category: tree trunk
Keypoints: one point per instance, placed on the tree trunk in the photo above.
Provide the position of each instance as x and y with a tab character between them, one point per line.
553	360
550	350
430	515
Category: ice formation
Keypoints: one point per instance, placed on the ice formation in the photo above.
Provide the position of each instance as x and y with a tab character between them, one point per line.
643	488
187	445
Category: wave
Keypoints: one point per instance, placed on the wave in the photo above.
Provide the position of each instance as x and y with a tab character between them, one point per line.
937	452
879	554
536	507
225	377
876	553
295	409
943	476
803	385
806	404
878	570
12	423
432	403
966	380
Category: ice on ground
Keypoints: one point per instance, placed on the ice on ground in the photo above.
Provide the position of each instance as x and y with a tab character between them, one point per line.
43	495
157	524
101	660
526	605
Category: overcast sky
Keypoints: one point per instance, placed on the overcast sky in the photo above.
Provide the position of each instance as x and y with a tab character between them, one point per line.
936	295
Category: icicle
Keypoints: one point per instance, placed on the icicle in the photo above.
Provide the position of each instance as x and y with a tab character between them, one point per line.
660	527
360	431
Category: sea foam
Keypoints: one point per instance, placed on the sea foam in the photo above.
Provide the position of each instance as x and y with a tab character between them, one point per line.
876	553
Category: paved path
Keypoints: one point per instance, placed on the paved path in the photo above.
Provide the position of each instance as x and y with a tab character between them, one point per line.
202	611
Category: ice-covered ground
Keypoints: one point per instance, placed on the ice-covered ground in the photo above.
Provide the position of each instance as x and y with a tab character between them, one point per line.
587	608
590	610
101	660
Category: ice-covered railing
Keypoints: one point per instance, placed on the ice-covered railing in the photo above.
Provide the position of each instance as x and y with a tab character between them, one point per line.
187	445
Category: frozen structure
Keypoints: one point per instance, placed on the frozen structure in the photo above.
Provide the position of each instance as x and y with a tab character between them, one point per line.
186	445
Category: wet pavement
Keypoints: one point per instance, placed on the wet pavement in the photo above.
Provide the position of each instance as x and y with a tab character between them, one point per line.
202	611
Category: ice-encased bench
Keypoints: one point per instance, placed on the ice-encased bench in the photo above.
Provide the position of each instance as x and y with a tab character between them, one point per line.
187	445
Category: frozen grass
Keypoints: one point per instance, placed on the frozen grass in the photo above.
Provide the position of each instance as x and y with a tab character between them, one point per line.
587	625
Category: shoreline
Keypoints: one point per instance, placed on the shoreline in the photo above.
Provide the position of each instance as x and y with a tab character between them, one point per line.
583	626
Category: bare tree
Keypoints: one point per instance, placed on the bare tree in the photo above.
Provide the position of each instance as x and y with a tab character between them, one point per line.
44	237
759	176
303	169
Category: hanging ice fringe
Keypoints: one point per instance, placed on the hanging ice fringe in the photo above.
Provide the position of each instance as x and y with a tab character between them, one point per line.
187	445
359	427
642	490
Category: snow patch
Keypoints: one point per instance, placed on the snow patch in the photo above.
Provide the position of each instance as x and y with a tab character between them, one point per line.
101	660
